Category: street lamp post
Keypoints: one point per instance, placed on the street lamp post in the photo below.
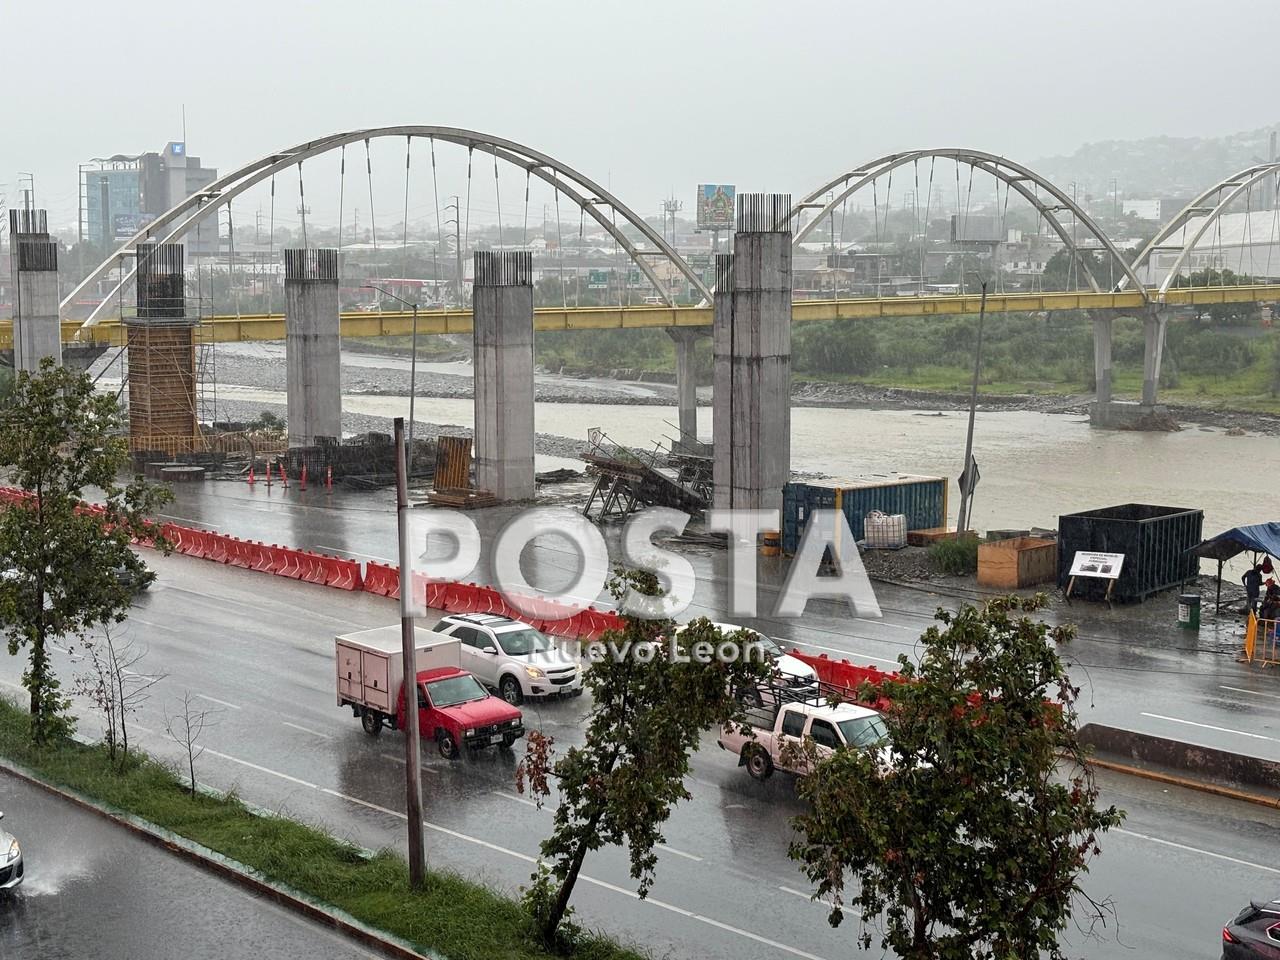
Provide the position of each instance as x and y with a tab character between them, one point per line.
413	363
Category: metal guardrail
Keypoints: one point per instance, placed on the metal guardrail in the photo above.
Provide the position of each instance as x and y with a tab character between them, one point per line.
245	327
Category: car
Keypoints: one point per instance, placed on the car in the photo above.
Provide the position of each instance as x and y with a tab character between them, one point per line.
512	657
792	679
1255	932
10	861
136	581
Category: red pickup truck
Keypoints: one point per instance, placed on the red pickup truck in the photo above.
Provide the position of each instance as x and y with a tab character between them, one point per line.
454	709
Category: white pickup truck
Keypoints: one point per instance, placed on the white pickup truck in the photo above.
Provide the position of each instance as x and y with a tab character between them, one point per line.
831	726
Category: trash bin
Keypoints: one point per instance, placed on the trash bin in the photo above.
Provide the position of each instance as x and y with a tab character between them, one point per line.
1189	611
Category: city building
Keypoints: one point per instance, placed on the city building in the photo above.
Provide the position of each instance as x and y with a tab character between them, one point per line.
121	194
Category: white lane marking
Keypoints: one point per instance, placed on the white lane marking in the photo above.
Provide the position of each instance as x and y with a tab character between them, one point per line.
365	803
1209	726
314	733
797	893
1253	693
354	553
528	859
1205	853
254	766
221	703
134	618
194	523
138	726
847	653
511	796
759	939
401	761
679	853
886	623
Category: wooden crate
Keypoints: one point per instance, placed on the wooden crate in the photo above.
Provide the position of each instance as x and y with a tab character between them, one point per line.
1021	562
922	538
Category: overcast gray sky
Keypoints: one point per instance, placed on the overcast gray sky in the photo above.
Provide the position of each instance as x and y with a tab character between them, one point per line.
649	95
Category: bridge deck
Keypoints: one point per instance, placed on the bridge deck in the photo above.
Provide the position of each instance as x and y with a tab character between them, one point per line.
226	329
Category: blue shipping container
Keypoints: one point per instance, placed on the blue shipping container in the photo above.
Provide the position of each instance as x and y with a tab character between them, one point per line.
923	500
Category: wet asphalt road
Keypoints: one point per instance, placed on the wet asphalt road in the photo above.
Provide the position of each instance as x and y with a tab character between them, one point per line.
96	890
258	651
1136	670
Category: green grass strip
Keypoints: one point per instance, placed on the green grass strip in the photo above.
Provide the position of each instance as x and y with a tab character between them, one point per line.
452	916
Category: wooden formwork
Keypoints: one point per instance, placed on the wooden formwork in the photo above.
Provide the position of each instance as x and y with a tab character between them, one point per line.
162	387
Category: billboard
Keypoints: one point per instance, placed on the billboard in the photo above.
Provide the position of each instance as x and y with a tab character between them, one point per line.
125	225
715	206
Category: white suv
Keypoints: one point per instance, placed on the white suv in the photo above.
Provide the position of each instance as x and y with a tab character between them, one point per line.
512	657
792	679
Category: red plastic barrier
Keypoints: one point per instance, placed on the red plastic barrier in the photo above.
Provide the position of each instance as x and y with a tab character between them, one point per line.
382	579
314	567
263	558
342	574
435	593
239	554
850	676
217	548
292	564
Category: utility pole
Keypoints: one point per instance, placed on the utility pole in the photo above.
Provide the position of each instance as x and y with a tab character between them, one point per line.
412	735
670	207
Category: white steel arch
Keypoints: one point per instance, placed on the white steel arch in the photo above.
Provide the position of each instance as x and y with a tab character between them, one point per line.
1014	175
1209	206
585	192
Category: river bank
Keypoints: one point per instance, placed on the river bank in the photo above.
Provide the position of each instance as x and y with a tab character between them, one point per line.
640	387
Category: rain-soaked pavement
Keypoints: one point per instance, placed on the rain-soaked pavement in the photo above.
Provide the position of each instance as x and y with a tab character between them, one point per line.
257	651
93	889
1136	670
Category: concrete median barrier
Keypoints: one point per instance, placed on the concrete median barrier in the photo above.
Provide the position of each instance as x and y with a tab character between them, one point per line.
1186	764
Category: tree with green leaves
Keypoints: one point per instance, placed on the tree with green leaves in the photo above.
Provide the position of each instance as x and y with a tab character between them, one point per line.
60	441
654	693
970	844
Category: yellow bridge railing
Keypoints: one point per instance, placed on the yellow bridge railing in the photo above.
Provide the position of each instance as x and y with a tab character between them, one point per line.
227	329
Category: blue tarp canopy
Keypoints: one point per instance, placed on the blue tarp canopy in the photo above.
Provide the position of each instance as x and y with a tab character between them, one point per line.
1258	537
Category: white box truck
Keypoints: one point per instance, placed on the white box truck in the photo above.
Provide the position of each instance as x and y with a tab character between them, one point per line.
454	709
370	667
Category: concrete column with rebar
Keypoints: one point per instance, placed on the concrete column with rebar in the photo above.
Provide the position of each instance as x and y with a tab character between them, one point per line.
33	266
502	331
161	356
313	342
751	409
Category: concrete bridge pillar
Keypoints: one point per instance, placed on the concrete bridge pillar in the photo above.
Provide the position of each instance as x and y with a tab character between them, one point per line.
502	328
33	265
313	342
686	339
752	345
1153	327
1103	321
162	356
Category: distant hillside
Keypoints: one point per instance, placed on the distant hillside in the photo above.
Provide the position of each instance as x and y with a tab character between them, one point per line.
1157	166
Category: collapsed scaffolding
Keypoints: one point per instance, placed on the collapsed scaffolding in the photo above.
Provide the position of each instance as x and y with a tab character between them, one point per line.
628	480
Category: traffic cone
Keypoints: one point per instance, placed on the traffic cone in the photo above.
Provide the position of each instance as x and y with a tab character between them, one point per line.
303	478
328	477
252	480
284	478
268	474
